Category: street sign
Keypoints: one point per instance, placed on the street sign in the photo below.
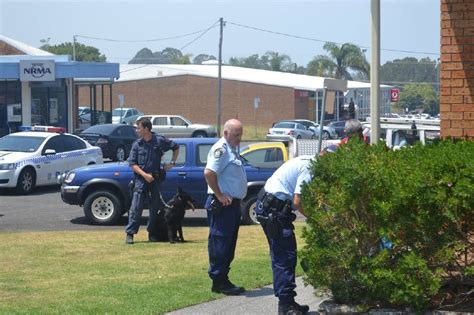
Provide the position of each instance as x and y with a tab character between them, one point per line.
121	99
394	95
256	102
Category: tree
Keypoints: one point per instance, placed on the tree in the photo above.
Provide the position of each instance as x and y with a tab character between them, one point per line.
419	96
199	59
279	62
253	61
83	52
168	55
341	60
409	69
144	56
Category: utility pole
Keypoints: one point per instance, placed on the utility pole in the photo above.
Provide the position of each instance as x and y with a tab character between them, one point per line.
374	74
219	79
74	39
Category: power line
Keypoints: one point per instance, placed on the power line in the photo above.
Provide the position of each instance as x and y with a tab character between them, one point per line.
201	35
143	40
325	41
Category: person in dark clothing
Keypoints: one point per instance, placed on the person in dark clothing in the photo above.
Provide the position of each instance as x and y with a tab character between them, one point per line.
351	109
145	160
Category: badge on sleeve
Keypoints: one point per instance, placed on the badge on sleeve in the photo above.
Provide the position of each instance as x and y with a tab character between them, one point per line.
218	152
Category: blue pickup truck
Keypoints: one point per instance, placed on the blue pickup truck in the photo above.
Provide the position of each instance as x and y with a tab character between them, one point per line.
104	193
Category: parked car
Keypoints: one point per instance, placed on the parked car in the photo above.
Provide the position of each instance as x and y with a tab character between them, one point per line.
35	158
328	132
265	154
125	115
284	130
104	192
115	140
175	126
339	127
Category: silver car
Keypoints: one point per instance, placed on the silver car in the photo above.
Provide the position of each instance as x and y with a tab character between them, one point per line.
175	126
284	130
125	115
328	131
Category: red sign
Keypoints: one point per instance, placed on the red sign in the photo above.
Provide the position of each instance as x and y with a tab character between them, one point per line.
394	95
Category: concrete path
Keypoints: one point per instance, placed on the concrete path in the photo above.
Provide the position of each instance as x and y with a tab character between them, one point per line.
259	301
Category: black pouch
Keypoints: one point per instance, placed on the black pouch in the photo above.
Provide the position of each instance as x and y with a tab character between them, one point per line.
160	175
131	186
273	227
216	206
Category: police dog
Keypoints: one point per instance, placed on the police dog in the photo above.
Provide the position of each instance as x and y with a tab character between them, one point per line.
169	225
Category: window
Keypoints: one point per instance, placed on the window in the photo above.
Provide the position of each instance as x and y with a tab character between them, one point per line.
300	126
54	143
71	143
176	121
160	121
203	150
129	131
181	157
270	157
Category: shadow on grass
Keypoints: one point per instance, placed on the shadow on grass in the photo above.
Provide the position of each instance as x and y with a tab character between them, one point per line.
123	221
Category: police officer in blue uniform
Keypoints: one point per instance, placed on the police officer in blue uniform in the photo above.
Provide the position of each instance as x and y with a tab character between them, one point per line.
145	160
275	203
227	185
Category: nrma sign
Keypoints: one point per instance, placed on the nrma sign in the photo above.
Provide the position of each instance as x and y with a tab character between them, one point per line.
37	70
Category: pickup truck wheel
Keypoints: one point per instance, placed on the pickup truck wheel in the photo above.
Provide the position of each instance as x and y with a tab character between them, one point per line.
103	208
248	210
199	134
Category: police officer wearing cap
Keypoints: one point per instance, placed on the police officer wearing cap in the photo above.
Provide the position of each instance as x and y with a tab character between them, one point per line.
275	205
145	161
227	185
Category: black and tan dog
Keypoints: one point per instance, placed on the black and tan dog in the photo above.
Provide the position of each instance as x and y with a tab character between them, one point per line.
169	225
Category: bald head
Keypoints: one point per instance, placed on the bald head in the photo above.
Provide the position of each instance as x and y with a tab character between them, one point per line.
233	131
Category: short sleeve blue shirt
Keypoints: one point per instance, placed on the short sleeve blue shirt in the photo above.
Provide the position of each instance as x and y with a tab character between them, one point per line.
288	178
226	162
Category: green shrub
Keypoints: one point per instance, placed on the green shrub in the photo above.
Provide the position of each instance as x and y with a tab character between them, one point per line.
391	228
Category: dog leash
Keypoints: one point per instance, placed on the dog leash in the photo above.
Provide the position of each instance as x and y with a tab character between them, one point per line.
163	201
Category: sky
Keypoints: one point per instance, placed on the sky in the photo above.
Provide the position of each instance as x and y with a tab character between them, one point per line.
411	27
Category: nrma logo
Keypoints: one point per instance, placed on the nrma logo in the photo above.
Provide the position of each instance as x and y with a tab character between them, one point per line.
37	70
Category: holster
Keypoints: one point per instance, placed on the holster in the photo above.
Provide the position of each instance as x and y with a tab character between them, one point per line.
271	225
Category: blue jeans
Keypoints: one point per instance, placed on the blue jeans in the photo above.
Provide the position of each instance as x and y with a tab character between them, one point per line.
150	191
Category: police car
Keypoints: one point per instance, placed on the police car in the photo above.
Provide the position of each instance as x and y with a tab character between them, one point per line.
37	157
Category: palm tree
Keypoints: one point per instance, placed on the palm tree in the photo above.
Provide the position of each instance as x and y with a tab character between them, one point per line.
339	62
278	62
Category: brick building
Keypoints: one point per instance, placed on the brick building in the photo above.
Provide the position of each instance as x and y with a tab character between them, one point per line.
457	68
191	91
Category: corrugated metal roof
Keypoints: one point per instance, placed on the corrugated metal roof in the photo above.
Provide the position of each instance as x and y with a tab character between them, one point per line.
26	49
130	72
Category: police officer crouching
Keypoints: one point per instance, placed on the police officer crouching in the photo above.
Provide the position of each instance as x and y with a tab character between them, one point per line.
227	185
145	161
275	213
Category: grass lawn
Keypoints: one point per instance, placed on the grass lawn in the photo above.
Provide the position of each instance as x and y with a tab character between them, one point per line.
96	273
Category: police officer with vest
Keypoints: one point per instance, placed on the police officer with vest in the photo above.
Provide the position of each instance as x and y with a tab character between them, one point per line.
275	205
145	161
227	185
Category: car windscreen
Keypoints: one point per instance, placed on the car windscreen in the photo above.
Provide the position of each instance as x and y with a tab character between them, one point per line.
100	129
119	112
20	143
284	125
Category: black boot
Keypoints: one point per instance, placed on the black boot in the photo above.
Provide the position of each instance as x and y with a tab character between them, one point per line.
292	308
230	284
225	287
129	239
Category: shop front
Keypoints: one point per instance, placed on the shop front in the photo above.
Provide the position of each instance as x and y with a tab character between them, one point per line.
40	90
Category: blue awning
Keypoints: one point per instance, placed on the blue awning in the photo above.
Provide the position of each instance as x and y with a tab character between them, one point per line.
68	70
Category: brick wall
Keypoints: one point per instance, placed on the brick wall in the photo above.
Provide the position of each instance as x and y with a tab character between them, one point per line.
195	98
6	49
457	68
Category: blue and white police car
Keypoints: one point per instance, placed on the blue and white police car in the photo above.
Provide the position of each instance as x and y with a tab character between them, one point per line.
37	157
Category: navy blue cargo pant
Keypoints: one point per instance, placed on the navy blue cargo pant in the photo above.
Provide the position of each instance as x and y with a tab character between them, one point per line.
150	191
283	255
223	232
